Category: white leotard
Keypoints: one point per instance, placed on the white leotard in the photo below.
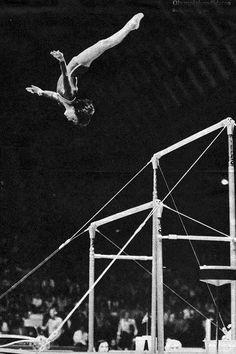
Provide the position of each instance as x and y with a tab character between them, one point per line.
64	100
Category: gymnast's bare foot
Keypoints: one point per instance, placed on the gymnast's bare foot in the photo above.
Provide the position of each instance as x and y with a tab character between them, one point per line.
134	22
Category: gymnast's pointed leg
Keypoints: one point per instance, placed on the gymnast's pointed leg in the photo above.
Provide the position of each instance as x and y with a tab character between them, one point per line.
90	54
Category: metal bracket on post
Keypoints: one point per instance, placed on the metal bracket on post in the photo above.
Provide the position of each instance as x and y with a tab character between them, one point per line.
160	209
155	165
230	124
155	161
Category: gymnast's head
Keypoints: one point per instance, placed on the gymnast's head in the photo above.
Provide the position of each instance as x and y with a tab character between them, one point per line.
81	112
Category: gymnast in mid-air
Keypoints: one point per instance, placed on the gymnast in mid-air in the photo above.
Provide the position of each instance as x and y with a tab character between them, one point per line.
80	111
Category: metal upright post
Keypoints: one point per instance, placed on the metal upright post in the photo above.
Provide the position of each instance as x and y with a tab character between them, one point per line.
160	293
230	129
92	231
157	270
154	261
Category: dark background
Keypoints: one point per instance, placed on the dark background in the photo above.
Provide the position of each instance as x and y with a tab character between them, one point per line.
166	81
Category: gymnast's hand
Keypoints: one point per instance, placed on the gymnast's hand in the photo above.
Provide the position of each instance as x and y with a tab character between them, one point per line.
57	55
34	89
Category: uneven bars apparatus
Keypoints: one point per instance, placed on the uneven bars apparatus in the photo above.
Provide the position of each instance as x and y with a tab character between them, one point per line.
92	256
157	259
229	123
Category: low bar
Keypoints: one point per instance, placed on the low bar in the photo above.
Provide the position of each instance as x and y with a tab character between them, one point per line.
124	257
123	214
196	238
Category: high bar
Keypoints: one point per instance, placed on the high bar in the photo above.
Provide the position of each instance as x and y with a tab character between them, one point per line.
124	257
221	124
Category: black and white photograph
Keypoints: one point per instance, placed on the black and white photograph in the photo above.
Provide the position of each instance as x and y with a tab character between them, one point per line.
117	182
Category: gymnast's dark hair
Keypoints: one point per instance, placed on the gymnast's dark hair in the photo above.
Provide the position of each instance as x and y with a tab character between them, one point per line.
84	109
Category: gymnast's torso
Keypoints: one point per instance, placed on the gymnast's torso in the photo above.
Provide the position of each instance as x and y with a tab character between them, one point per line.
74	76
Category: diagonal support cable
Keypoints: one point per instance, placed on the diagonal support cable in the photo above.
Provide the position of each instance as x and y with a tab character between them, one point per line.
193	164
195	220
73	237
168	287
54	333
191	244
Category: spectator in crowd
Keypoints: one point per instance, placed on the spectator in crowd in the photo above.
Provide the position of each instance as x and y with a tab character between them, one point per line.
17	324
113	344
80	339
37	303
102	346
172	344
106	330
4	328
50	301
65	338
127	331
78	320
181	322
61	302
53	323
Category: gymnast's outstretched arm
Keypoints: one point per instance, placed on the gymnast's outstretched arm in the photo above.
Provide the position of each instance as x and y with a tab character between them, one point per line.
36	90
65	75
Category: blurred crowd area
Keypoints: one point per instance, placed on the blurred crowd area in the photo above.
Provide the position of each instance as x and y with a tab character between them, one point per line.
26	309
